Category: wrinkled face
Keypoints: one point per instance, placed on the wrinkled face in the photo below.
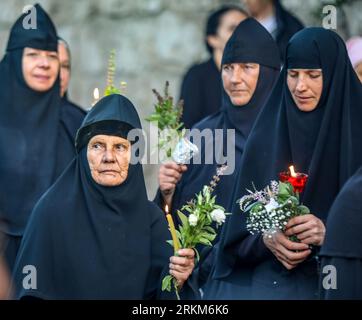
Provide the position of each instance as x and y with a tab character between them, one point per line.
108	158
240	80
40	68
306	87
228	22
358	70
64	61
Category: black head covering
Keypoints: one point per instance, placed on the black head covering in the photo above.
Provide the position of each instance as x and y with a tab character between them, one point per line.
246	45
97	241
344	223
42	37
29	126
324	143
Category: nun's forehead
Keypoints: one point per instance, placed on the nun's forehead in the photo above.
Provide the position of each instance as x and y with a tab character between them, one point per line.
108	138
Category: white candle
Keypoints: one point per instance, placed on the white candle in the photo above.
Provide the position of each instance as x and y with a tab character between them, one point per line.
292	172
95	96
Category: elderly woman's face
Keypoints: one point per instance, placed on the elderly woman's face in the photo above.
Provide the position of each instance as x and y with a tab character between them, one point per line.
306	87
40	68
108	158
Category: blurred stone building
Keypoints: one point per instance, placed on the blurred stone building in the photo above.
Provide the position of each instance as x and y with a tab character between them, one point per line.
155	41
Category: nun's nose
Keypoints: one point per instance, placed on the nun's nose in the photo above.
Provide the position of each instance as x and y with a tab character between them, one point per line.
44	62
301	85
108	156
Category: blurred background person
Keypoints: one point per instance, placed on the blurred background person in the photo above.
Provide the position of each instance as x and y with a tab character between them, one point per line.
72	115
280	23
342	248
354	47
35	146
201	86
4	273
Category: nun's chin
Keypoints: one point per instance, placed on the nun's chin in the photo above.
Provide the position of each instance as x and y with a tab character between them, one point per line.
241	100
306	106
109	179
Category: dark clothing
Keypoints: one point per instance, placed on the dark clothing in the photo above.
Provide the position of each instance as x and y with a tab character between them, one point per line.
71	117
98	242
324	143
247	44
342	247
201	91
36	131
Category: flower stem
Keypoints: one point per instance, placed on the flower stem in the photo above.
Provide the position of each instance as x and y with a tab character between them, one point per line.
176	289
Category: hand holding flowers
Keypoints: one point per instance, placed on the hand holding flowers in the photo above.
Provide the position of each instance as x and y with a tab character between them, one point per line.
197	227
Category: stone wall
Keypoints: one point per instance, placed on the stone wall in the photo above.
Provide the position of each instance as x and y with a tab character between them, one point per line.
155	40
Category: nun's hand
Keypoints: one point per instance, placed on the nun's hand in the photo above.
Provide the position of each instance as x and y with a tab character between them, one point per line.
181	266
169	175
289	253
307	228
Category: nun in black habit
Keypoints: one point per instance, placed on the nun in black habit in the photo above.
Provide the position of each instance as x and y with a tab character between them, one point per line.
35	146
323	142
245	47
201	88
103	239
342	248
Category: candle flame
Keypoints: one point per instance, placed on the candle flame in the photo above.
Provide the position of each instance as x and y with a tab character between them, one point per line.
292	172
96	94
166	209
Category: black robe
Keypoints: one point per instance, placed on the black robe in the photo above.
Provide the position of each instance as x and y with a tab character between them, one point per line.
247	44
71	117
34	146
201	91
324	143
89	241
342	247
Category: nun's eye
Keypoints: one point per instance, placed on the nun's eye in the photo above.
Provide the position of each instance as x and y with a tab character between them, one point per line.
53	56
97	146
314	75
65	66
226	67
292	74
121	147
32	54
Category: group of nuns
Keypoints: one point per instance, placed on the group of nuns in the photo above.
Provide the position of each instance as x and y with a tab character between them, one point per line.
74	206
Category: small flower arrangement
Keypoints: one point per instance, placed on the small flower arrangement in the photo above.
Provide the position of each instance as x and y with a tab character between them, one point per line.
167	117
110	88
270	209
197	227
111	70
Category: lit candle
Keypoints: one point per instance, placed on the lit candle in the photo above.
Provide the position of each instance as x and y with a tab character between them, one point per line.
296	179
292	172
95	96
176	243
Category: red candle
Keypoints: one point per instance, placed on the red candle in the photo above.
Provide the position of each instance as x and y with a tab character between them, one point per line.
296	179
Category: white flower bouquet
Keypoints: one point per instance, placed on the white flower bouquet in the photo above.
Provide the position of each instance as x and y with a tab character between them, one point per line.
196	228
171	135
270	209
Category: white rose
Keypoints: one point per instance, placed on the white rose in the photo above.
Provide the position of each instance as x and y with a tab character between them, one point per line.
271	205
218	216
192	220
